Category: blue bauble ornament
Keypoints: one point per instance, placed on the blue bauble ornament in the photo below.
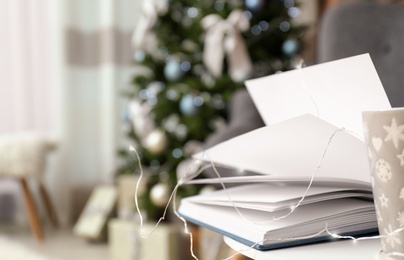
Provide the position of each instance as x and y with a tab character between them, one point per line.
125	116
172	70
139	56
254	5
290	47
187	106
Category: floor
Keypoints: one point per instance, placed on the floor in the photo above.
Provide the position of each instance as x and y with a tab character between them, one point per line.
58	244
62	244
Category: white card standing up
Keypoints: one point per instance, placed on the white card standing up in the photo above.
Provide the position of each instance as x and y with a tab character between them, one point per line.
336	92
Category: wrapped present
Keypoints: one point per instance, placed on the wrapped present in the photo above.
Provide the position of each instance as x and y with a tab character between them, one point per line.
98	210
126	185
123	239
125	242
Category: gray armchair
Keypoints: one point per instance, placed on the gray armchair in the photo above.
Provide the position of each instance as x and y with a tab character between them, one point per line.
345	30
378	29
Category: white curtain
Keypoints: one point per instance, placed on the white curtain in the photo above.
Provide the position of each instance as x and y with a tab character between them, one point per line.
63	64
27	96
98	65
30	82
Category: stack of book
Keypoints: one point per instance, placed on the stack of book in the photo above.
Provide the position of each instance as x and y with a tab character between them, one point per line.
312	170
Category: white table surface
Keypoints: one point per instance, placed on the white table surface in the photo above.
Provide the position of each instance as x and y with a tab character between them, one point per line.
336	250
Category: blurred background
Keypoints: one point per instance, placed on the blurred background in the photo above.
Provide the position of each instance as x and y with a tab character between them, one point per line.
64	65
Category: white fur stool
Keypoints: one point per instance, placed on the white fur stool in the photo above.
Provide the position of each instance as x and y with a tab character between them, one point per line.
23	156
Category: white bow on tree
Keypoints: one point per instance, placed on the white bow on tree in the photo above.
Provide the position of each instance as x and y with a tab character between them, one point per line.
223	38
143	38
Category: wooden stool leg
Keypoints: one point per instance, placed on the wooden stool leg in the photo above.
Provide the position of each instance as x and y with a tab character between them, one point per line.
49	206
32	213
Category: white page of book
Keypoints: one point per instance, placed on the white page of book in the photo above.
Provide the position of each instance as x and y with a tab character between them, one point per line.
318	214
262	206
266	193
272	197
336	92
293	149
259	178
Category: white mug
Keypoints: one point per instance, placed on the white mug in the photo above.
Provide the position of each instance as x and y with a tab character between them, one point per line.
384	135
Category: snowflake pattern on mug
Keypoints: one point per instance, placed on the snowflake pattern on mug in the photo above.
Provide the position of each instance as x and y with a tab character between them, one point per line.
384	201
395	132
392	239
402	194
400	218
383	170
401	158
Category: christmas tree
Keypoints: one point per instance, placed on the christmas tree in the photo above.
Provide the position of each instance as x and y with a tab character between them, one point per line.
196	53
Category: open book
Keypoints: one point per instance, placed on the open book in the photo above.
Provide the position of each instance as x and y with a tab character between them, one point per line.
311	165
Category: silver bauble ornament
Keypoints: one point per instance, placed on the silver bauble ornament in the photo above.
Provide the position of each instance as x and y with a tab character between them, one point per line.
155	142
159	194
172	70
